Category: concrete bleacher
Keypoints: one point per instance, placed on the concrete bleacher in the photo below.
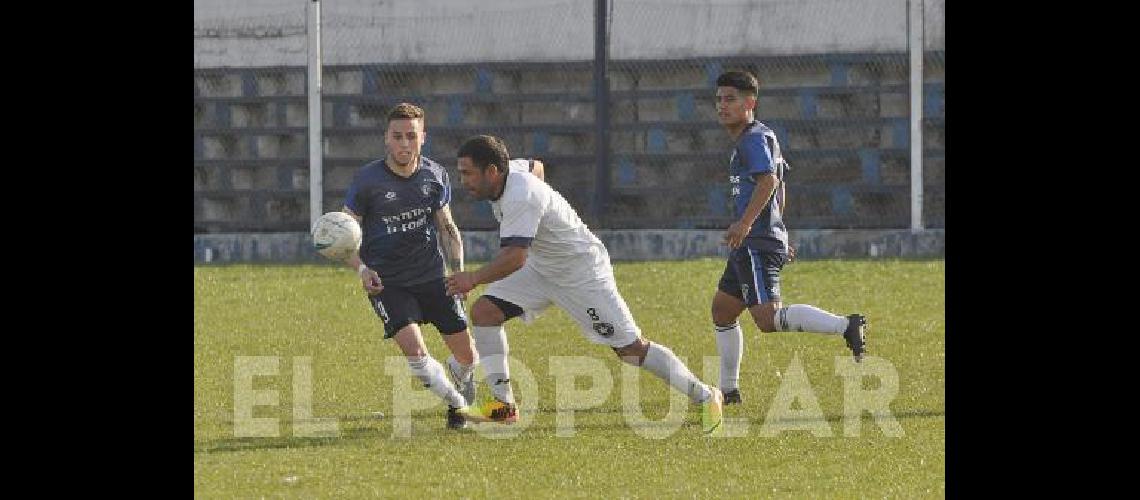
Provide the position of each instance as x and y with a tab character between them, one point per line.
842	120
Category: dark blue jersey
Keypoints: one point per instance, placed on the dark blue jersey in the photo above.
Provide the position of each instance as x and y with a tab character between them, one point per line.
758	152
400	240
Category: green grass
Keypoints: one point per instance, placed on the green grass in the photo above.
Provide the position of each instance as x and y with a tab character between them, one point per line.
319	312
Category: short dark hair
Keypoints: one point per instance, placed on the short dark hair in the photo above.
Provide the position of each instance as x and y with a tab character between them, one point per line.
740	80
485	150
405	111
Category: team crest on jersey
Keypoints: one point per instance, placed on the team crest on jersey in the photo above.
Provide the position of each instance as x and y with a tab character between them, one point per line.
604	329
426	188
391	195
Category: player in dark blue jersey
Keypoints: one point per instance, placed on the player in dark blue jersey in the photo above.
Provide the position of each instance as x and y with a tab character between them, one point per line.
401	202
758	240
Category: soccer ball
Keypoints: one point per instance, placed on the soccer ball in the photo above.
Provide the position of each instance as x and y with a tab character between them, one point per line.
336	235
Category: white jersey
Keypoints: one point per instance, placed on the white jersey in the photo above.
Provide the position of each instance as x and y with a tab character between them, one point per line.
562	248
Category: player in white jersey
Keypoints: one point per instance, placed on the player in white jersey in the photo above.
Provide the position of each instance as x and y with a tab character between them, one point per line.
548	256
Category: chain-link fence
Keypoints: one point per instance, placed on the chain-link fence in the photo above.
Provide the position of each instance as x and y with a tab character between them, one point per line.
834	87
250	117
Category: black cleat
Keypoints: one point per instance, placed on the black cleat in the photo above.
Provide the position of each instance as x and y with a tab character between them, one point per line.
856	335
454	419
732	397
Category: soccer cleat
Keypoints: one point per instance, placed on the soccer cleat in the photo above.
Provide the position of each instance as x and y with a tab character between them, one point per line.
856	335
491	411
712	414
455	419
732	397
465	387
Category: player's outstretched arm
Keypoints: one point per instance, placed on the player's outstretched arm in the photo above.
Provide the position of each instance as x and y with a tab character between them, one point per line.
368	278
353	261
508	260
765	188
783	199
449	239
783	213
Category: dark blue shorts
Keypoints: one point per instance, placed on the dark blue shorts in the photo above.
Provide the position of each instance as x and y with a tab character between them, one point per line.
753	275
400	306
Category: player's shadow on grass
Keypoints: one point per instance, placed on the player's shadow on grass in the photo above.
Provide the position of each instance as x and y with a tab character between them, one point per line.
835	418
282	442
660	408
657	421
287	441
649	422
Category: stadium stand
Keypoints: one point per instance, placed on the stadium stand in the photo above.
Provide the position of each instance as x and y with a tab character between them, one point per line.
841	119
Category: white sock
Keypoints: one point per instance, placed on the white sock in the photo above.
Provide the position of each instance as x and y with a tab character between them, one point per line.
661	361
805	318
461	370
430	372
730	345
491	343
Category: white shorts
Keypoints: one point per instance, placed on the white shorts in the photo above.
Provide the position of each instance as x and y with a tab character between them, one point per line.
598	308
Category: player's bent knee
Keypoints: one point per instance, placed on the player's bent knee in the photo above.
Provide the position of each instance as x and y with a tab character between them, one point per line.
633	353
766	327
486	313
723	318
765	323
725	309
462	346
408	338
764	315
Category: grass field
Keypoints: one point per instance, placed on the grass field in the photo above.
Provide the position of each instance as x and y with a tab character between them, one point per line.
292	312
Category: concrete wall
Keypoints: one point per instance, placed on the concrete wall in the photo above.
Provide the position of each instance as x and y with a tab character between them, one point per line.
272	32
622	245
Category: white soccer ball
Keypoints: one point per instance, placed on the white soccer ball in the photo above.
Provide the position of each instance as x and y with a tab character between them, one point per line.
336	235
